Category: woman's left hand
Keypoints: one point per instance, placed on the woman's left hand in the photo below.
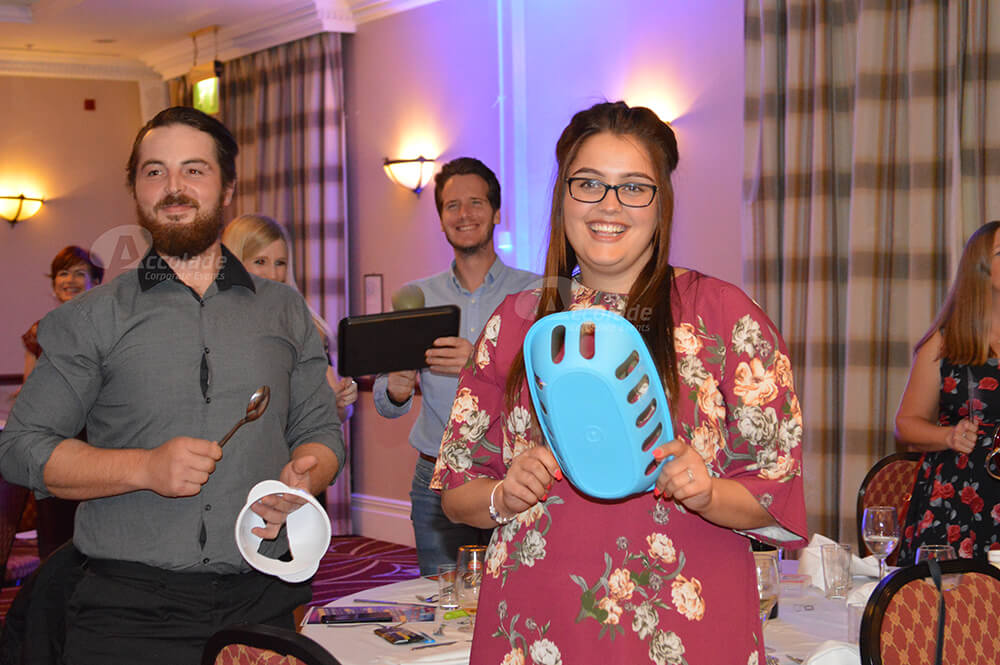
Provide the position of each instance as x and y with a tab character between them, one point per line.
685	478
346	390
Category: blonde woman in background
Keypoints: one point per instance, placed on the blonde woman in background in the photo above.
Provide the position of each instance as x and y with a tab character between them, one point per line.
263	246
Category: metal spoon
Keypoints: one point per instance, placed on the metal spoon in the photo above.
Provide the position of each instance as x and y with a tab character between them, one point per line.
255	409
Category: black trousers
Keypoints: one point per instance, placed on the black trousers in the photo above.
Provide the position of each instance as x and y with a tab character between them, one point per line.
128	613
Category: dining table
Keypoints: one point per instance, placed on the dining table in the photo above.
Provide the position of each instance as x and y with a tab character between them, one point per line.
810	629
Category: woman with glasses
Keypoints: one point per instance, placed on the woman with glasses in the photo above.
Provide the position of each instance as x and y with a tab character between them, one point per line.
661	577
950	410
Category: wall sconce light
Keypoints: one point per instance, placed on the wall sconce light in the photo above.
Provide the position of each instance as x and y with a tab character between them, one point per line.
18	208
204	79
413	174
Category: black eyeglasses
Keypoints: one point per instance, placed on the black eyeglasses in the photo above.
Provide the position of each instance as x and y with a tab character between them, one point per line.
630	194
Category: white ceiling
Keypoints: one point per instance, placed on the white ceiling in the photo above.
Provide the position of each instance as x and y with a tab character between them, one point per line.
157	33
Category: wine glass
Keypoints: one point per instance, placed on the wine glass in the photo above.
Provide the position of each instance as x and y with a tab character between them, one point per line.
768	582
469	578
880	529
935	553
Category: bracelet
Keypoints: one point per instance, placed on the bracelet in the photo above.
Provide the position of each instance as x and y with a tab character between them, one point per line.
494	513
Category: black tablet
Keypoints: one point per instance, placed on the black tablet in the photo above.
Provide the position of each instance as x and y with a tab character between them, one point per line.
392	341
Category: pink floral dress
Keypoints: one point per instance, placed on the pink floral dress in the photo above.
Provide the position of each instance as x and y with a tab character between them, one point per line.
577	580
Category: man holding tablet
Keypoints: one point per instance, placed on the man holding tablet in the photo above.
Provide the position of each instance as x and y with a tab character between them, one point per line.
467	195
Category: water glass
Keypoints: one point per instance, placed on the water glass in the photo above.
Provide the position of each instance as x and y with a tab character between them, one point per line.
469	578
935	553
447	595
855	612
836	569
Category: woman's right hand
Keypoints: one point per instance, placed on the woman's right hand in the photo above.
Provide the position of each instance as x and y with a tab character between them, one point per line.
528	480
962	437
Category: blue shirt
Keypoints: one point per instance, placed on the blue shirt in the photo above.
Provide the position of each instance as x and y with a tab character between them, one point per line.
438	390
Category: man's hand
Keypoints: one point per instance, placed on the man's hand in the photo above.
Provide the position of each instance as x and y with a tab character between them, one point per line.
275	508
400	385
180	466
448	355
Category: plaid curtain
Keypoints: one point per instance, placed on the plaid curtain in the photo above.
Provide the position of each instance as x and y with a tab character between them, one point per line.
871	156
285	107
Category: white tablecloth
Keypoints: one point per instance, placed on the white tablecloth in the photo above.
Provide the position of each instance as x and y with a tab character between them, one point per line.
358	645
809	630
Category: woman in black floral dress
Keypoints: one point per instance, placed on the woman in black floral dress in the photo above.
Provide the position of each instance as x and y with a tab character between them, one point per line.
951	408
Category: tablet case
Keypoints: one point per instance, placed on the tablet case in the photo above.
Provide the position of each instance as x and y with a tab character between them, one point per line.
392	341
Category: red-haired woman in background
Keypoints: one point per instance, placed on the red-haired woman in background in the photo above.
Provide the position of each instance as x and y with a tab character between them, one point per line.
73	271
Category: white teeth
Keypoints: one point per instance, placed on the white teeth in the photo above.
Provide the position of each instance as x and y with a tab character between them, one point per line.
605	227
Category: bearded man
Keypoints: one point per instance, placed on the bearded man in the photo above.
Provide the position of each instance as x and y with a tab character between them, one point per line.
158	364
467	196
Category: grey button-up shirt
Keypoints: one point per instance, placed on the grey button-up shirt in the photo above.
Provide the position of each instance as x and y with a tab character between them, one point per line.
437	391
143	359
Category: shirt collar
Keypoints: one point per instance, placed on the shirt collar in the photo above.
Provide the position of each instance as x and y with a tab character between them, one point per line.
491	275
154	270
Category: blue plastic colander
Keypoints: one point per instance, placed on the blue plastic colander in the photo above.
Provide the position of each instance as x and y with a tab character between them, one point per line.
604	415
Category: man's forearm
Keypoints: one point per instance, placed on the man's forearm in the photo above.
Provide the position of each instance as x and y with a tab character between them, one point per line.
78	470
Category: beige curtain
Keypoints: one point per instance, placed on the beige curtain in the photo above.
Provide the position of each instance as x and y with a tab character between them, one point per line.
285	107
179	91
872	152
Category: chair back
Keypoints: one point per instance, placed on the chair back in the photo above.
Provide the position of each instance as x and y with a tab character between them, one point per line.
888	483
256	644
12	500
900	623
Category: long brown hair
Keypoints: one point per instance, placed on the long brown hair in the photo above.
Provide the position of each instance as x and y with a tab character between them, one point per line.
652	288
966	316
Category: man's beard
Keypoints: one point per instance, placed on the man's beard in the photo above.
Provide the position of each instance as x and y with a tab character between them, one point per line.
469	250
180	240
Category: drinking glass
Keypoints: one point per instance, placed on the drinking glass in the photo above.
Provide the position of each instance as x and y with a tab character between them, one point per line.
471	564
880	529
935	553
768	582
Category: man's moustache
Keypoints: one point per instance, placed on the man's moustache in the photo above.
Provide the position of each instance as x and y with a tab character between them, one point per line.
175	200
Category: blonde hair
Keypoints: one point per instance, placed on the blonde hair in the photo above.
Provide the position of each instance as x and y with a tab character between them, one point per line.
248	235
965	318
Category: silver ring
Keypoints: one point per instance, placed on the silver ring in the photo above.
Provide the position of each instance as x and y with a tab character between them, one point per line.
690	475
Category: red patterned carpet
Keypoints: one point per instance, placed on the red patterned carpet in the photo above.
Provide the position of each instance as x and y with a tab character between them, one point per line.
353	563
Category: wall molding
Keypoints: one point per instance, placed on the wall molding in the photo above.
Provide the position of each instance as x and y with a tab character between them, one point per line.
290	20
382	518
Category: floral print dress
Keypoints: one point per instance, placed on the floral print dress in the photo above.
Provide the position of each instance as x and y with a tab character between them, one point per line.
954	500
576	580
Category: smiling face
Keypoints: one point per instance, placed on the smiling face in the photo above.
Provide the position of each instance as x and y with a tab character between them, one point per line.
612	242
178	190
270	262
467	218
71	282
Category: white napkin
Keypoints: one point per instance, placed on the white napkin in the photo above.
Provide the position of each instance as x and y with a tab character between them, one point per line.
833	652
811	562
452	654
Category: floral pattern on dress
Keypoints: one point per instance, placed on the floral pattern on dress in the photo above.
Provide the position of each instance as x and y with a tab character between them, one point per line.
631	581
954	499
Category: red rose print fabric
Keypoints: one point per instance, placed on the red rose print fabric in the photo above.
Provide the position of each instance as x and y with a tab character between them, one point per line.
954	500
